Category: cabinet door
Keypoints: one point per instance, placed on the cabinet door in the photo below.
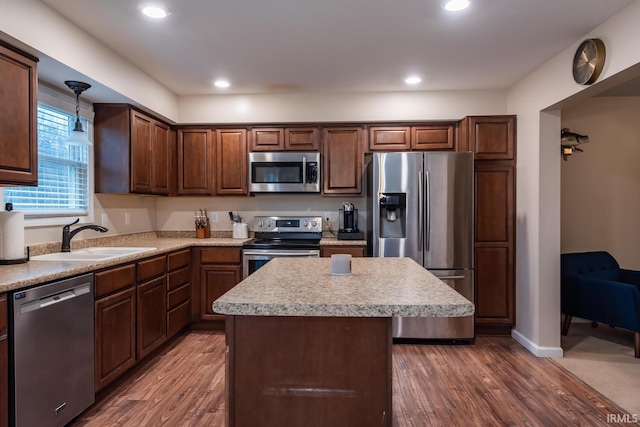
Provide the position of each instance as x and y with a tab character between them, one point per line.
18	118
492	137
267	139
389	138
142	132
436	137
161	159
343	160
115	336
152	315
494	247
302	139
231	170
215	281
196	161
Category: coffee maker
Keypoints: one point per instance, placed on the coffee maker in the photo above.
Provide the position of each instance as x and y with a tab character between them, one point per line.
348	223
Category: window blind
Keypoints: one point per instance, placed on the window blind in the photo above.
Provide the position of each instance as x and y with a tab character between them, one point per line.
62	170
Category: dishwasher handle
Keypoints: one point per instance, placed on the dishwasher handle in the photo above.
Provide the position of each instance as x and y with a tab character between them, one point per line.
55	298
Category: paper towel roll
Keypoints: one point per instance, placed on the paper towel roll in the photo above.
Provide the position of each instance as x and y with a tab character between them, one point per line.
11	235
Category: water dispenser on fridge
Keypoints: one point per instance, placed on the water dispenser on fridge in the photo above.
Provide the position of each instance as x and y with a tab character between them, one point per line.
393	215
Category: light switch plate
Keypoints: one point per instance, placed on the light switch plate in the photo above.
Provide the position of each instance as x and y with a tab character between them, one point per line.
104	219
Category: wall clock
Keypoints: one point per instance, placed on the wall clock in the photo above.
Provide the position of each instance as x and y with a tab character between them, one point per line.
588	61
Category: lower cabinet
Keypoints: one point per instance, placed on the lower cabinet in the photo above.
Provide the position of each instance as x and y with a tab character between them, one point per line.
138	307
354	251
220	270
152	315
115	336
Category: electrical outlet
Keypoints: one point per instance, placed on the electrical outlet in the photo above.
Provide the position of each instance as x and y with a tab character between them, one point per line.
127	218
213	216
104	219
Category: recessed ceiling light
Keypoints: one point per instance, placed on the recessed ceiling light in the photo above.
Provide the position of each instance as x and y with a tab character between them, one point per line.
155	11
413	80
456	5
221	83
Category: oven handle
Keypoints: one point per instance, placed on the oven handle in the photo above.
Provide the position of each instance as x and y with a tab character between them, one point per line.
282	254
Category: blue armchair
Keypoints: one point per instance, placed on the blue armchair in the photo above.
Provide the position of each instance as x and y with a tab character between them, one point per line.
594	287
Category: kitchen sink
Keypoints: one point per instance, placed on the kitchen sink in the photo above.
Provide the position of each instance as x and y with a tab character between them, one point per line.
99	253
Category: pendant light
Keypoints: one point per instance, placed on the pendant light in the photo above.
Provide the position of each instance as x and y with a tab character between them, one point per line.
78	136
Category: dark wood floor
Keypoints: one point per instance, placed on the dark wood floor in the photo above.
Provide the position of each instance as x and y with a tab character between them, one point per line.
494	382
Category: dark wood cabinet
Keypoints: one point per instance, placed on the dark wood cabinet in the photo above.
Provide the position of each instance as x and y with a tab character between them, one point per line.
390	138
18	117
492	139
231	162
4	363
196	160
134	152
151	151
220	270
433	137
151	315
178	291
281	139
115	336
266	139
343	154
152	304
405	138
354	251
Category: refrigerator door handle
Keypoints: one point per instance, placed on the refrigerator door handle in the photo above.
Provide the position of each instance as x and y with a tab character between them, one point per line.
427	210
420	212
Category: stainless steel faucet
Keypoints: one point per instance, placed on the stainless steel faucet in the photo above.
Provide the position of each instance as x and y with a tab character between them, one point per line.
67	234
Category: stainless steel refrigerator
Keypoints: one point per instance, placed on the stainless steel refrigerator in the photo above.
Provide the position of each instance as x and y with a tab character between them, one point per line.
420	205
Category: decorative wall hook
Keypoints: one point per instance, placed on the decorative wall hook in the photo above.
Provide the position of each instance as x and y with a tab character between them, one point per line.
569	142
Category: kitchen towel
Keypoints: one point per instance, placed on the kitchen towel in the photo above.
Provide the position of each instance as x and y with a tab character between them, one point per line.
11	235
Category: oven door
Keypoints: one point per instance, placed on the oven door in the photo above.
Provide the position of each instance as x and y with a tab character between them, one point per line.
253	259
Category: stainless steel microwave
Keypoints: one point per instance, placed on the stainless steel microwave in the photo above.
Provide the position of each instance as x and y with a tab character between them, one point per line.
284	172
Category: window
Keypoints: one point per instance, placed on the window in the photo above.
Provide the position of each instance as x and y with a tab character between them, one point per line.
63	171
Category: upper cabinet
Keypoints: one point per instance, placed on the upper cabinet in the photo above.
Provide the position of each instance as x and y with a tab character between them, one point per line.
231	162
281	139
196	157
491	137
343	152
134	153
404	138
18	118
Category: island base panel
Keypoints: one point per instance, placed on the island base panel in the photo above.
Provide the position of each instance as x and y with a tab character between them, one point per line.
311	371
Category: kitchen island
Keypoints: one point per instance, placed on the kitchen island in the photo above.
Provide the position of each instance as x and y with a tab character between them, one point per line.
309	348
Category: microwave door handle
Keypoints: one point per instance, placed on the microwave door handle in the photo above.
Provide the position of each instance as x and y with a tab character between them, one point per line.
304	171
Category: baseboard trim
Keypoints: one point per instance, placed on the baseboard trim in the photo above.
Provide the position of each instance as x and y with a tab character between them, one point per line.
535	348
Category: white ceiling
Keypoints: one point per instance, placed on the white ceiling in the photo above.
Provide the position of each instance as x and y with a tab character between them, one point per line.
282	46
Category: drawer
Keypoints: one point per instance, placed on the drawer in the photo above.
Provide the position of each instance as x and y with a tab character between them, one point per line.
150	268
3	314
178	318
116	279
178	278
178	296
178	260
222	255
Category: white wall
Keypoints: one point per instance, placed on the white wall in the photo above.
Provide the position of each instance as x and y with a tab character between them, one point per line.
340	107
538	176
601	185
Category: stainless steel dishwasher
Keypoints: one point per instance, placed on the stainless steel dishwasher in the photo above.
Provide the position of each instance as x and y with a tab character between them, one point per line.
52	352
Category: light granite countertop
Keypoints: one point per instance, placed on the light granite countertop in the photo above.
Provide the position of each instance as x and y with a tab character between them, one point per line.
377	287
18	276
